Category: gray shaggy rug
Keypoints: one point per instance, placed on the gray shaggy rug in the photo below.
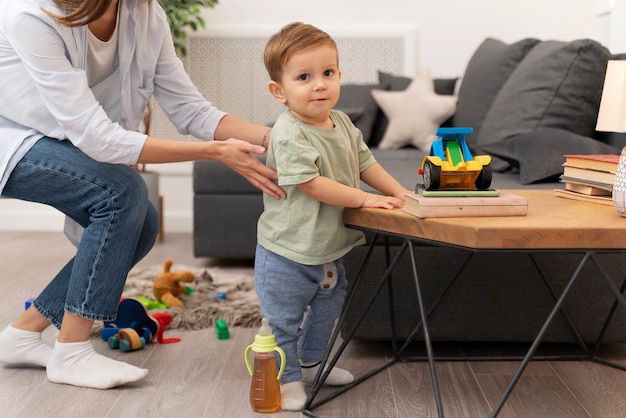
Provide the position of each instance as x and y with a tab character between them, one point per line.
240	306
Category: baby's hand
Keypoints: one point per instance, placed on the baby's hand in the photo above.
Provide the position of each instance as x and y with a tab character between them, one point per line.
379	201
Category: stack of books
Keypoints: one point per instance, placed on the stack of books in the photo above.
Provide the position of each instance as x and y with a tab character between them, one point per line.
471	204
589	177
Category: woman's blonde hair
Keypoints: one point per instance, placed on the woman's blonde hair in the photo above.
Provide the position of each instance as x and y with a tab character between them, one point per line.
79	12
292	39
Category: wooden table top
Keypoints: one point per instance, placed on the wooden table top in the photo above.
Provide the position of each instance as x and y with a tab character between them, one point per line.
552	223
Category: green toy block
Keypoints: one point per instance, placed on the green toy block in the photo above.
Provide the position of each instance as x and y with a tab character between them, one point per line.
222	329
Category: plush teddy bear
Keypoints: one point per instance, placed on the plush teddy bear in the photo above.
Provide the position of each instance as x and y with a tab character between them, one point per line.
167	286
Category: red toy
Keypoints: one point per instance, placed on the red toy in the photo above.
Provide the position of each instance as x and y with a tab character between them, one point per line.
164	320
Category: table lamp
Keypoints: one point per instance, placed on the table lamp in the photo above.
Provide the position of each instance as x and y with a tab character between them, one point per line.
612	118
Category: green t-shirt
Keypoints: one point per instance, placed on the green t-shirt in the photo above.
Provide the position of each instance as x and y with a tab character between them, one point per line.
299	227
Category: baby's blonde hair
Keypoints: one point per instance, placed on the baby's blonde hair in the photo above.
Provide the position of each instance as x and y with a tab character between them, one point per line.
292	39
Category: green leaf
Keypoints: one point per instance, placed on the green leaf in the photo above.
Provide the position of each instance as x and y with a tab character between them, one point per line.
182	14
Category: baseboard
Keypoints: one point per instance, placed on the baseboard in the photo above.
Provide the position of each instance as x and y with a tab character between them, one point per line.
26	216
16	215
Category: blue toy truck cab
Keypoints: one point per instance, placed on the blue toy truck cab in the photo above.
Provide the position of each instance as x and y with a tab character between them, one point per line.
451	166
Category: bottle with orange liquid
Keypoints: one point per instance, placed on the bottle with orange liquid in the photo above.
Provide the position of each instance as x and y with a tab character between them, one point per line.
263	367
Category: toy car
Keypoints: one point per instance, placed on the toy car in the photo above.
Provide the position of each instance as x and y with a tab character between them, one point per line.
451	166
127	340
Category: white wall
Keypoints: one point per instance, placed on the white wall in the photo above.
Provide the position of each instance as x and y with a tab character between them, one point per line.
449	32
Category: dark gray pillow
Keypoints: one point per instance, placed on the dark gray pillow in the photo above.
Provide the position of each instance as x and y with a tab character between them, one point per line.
557	85
357	101
486	72
539	155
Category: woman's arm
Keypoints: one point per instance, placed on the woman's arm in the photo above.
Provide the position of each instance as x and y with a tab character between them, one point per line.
233	127
234	153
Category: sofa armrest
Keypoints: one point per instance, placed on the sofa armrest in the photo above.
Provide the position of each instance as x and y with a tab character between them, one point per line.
214	177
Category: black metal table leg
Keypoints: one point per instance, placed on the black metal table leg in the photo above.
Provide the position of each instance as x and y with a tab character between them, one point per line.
324	370
427	342
539	337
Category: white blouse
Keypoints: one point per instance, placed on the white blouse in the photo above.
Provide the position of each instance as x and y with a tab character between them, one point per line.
44	89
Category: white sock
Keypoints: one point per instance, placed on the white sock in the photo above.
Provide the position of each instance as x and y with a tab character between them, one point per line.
78	364
18	346
336	377
292	396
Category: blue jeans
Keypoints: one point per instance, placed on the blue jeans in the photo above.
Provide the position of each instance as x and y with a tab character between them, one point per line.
110	201
286	290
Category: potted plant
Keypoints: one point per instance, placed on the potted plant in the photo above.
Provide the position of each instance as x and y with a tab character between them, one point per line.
183	15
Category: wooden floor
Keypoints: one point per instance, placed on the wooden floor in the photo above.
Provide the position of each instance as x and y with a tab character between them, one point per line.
206	377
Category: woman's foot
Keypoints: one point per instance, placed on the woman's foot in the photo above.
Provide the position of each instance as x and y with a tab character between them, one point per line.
78	364
23	347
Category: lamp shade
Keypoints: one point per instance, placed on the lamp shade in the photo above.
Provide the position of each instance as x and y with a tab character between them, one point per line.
612	113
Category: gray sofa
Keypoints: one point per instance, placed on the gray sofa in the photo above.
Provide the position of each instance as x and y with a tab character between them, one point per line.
529	102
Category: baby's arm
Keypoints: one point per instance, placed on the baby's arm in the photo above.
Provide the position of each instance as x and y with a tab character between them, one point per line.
334	193
377	177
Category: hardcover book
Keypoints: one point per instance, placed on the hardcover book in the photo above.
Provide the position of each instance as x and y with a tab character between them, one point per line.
602	200
599	176
587	189
505	204
594	184
602	162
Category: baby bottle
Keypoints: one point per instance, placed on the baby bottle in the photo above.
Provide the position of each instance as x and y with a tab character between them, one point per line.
263	367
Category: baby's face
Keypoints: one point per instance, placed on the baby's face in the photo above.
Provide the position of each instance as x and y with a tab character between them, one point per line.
310	84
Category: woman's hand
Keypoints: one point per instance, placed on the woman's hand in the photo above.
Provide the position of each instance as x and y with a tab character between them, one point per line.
233	153
236	155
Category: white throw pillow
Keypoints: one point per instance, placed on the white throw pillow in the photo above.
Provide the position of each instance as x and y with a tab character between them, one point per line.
415	113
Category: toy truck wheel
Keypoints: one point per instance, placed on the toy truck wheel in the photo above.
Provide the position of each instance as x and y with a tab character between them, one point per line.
113	343
432	176
484	178
130	340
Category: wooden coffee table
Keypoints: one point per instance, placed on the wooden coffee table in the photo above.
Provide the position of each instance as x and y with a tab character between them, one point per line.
552	223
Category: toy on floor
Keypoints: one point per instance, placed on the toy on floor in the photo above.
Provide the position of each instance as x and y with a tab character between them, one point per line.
127	339
132	314
133	325
221	328
132	329
164	320
151	304
167	287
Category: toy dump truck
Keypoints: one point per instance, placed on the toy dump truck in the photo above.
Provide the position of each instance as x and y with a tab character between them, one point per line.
451	166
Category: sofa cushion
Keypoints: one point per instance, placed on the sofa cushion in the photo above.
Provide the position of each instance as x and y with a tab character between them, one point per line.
357	101
539	155
486	72
414	114
445	86
398	82
557	85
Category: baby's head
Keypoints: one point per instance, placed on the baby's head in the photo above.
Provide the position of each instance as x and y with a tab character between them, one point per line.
292	39
303	65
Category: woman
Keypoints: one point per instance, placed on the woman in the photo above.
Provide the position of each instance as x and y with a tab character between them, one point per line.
79	75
